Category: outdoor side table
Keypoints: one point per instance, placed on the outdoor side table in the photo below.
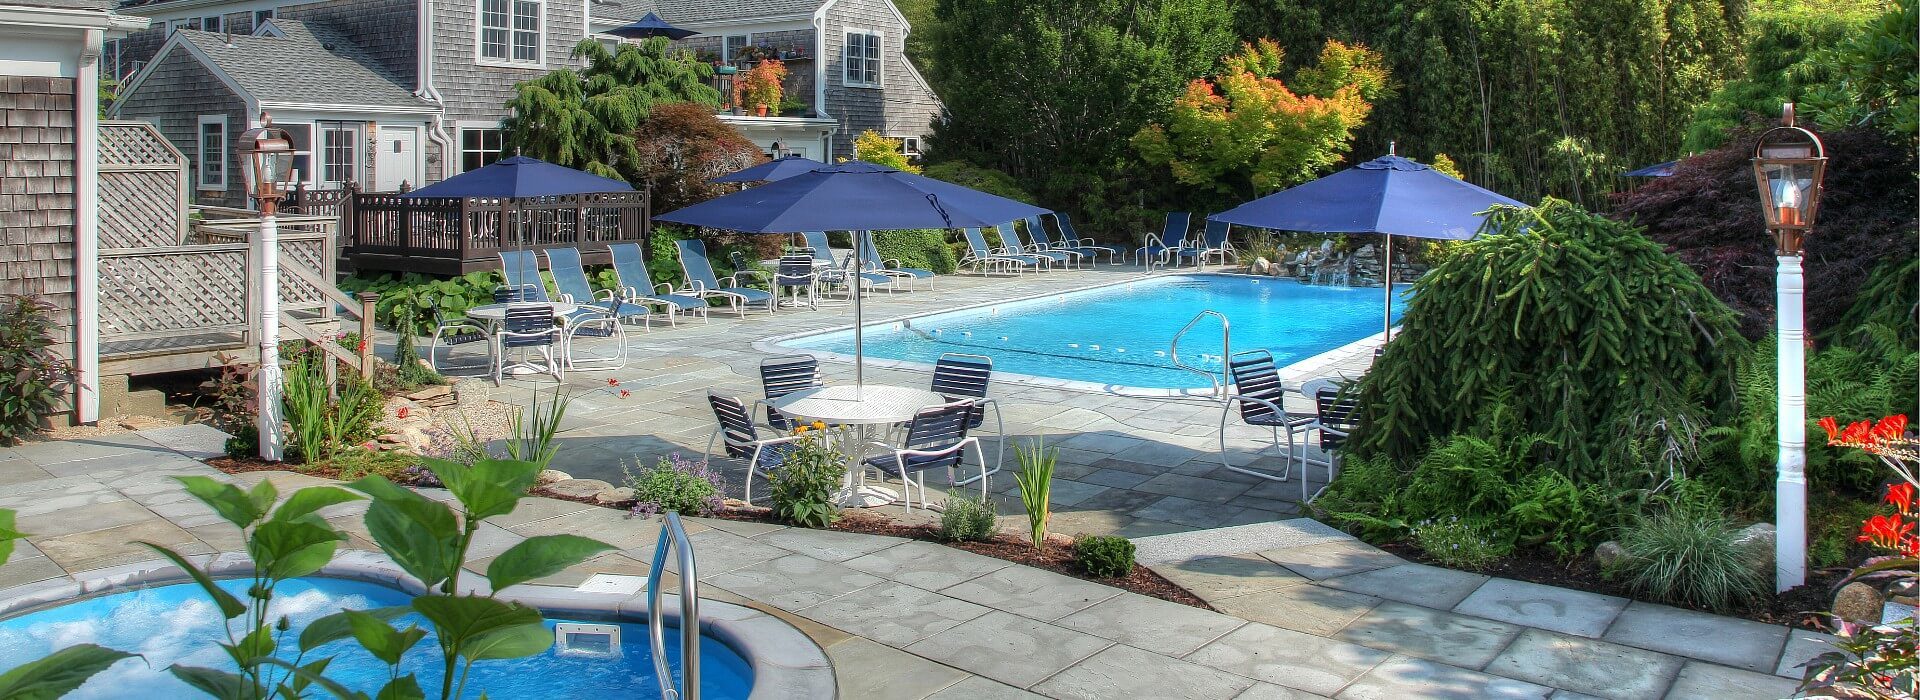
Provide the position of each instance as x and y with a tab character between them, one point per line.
862	409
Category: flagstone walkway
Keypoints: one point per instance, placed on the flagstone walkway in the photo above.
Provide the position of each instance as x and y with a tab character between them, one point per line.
1307	612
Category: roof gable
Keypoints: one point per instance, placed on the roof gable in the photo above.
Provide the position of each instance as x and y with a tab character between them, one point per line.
302	64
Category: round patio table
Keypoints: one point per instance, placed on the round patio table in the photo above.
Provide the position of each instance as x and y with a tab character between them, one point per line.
863	409
491	315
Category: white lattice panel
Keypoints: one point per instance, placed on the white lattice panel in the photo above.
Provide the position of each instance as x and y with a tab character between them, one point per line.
186	290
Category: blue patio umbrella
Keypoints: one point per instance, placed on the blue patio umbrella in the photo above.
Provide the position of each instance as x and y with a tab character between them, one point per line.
773	170
854	196
651	25
1389	195
517	177
1656	170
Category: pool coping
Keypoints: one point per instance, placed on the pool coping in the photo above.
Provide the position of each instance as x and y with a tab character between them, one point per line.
786	662
1295	369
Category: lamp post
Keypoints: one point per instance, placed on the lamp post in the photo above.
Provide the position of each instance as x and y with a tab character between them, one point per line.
1788	165
266	155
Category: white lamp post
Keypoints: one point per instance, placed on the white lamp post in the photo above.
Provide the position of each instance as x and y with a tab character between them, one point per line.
1788	165
266	156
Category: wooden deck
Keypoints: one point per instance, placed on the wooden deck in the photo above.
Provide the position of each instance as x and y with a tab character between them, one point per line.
452	236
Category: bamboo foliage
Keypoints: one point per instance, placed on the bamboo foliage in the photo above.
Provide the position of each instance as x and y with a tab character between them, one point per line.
1589	333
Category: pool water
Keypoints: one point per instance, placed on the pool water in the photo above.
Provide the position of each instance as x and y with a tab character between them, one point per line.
177	624
1119	335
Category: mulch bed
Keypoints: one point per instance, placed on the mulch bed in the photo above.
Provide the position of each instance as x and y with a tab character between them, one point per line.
255	464
1796	608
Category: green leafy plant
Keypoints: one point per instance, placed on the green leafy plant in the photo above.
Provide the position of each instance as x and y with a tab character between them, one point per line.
1689	556
676	485
531	430
802	488
1105	556
1460	544
323	424
923	248
1035	478
408	368
417	293
33	379
966	519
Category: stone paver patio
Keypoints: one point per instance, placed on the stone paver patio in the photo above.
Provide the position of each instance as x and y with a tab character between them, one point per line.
1309	612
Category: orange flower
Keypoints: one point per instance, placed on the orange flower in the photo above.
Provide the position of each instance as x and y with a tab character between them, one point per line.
1885	531
1890	427
1833	429
1901	496
818	425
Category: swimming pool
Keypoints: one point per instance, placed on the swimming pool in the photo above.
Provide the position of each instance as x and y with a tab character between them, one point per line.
1118	335
177	624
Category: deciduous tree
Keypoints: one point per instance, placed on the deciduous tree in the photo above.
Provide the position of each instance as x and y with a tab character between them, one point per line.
585	118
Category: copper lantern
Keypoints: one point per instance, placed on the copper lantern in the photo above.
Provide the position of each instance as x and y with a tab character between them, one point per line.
1788	165
267	157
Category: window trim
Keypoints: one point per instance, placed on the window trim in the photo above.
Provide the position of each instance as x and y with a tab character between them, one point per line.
200	179
261	17
479	37
904	139
210	20
501	153
880	62
323	129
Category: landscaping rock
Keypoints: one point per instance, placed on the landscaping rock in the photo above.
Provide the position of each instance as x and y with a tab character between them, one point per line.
548	476
1755	544
578	488
1608	554
1859	602
430	393
1261	266
470	395
613	495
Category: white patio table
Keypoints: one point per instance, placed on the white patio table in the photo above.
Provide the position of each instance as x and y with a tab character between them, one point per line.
493	314
863	409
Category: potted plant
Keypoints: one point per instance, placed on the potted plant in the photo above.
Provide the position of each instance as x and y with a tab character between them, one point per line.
760	86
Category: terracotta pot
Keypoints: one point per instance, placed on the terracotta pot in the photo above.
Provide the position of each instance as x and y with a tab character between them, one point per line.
759	110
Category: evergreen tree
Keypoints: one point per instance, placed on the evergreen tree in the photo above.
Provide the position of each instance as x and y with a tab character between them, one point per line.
586	118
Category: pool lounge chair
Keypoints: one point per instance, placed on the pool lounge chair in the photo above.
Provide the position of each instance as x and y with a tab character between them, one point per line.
522	269
1213	242
570	277
701	282
1161	250
871	262
835	273
1066	237
985	259
1030	244
637	287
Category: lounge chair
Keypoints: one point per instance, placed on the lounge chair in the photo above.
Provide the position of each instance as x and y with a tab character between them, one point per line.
637	287
1010	245
832	272
1213	243
522	269
1160	250
984	258
701	282
1029	244
570	277
1066	237
871	262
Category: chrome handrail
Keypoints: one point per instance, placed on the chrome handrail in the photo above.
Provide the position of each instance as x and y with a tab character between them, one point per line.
1226	350
673	534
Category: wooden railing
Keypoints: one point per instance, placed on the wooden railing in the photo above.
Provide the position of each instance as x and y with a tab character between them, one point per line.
456	236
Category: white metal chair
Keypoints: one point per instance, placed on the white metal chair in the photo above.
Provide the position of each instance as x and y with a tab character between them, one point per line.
602	325
451	331
936	439
528	327
736	434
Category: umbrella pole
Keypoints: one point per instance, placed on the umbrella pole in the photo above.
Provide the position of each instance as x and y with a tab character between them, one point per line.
859	352
1387	316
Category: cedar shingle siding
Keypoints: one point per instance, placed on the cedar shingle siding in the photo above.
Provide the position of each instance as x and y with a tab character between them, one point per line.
903	108
179	90
478	93
36	193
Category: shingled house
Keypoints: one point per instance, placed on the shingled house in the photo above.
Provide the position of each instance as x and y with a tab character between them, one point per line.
375	101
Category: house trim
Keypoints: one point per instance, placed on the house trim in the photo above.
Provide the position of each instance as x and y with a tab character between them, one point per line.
847	32
254	105
200	159
86	228
479	31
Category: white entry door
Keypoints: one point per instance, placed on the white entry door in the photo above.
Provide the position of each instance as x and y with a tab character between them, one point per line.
396	158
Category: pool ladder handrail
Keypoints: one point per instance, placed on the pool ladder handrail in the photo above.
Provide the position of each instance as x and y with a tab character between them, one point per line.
674	535
1226	349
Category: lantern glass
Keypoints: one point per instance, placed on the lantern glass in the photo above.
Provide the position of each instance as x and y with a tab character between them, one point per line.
1789	192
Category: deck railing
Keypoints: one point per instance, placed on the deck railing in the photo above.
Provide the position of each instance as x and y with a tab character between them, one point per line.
455	236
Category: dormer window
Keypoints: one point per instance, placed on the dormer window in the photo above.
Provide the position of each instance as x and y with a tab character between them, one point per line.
510	32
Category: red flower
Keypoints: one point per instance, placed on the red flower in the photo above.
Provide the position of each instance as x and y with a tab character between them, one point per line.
624	393
402	413
1901	496
612	382
1890	427
1885	531
1910	546
1858	434
1833	429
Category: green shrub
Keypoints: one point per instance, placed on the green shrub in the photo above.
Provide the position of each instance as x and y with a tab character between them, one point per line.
986	180
1459	544
1035	478
408	372
803	487
1105	556
923	248
1688	556
322	423
966	519
417	292
675	485
33	380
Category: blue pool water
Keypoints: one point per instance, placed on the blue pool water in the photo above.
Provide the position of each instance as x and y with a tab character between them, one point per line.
1118	335
177	624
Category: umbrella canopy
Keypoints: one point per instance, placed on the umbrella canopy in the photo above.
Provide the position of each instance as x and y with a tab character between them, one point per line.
1390	195
770	171
855	196
521	176
1659	170
651	25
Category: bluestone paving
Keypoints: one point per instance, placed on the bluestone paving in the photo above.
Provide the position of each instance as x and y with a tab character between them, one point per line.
717	552
1213	578
1419	584
1236	540
1591	666
27	569
1460	640
1330	559
1123	671
1802	646
1310	609
83	518
1406	677
926	565
895	614
830	545
1285	657
1152	624
1192	487
1015	650
864	669
1547	607
1727	641
1268	691
1184	511
113	546
1029	592
978	688
794	582
1699	680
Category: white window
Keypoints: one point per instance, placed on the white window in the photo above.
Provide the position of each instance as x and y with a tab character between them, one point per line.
510	31
734	44
261	16
212	163
479	147
178	24
110	59
610	43
909	145
863	58
210	23
339	153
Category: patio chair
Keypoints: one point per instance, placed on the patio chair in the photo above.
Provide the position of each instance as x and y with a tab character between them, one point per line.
1336	414
784	374
736	434
527	327
701	282
1159	249
451	331
836	273
637	287
1260	399
797	275
522	270
983	258
1213	242
743	267
936	439
1066	237
1030	243
959	376
870	261
1010	246
600	325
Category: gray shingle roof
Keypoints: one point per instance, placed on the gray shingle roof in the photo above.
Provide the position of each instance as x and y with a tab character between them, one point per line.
310	65
102	5
685	11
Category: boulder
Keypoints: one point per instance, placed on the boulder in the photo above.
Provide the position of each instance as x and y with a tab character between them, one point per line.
578	488
1858	602
430	393
548	476
613	495
1755	544
1261	266
1609	554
